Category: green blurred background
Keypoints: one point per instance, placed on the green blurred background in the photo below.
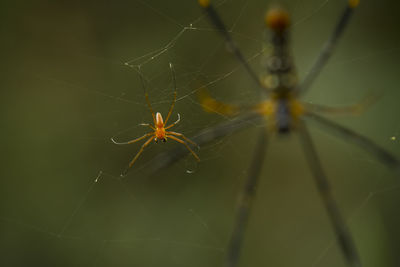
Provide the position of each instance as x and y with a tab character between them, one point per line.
65	90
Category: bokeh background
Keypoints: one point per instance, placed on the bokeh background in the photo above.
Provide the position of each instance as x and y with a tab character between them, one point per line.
69	83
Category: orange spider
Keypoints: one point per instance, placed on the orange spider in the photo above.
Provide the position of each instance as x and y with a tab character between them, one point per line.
159	129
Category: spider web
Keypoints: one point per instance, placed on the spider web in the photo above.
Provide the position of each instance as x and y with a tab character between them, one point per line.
70	83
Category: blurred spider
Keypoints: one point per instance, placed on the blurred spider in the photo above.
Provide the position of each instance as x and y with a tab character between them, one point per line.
159	129
280	105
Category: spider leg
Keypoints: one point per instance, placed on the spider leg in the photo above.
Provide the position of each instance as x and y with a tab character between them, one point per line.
343	236
245	201
137	155
175	123
217	22
184	138
358	139
174	100
146	95
327	49
148	125
354	109
132	141
184	143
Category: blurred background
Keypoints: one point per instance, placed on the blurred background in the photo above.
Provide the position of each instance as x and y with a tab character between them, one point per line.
69	83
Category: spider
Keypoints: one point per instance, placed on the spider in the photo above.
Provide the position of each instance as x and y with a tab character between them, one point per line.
159	128
285	113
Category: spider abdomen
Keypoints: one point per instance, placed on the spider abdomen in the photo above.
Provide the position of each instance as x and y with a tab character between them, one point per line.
159	120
